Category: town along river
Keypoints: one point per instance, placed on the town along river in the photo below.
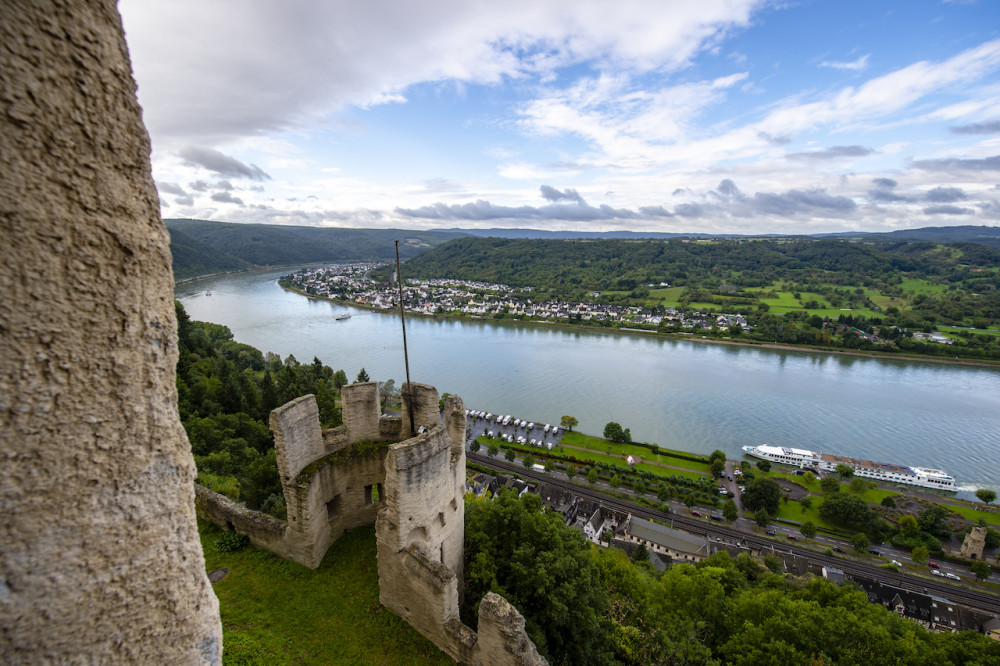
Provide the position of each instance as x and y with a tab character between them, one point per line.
679	394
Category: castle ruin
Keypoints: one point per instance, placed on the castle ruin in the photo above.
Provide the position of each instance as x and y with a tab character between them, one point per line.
370	470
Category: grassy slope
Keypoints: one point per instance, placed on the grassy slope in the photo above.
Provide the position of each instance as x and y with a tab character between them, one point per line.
278	612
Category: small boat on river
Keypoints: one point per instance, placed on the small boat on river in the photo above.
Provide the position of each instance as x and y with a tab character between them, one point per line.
342	317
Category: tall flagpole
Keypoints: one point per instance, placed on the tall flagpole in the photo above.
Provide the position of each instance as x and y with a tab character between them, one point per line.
406	357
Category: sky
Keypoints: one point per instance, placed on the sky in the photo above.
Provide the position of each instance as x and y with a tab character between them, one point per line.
707	116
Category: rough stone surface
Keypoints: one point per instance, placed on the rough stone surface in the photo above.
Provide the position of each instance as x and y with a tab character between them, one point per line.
99	554
360	405
296	421
974	544
502	639
422	401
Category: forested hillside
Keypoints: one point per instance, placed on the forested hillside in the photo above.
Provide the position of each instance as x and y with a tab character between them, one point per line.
280	245
192	258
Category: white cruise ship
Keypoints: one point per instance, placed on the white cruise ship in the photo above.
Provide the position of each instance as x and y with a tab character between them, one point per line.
827	463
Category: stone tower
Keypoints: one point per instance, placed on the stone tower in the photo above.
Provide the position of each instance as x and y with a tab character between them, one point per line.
99	554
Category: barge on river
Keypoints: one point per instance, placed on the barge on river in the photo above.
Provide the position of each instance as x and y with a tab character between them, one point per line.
826	463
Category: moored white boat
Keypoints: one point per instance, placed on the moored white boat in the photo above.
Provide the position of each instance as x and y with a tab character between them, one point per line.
869	469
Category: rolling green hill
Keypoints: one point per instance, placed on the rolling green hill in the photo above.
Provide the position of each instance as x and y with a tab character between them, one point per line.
201	247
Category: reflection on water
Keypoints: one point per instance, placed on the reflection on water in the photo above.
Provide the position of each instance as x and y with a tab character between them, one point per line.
679	394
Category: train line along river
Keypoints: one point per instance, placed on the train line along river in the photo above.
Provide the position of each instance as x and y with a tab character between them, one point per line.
680	394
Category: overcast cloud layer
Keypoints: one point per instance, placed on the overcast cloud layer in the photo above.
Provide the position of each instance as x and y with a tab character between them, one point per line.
741	116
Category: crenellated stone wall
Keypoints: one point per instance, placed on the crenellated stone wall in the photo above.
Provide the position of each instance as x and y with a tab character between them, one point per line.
367	471
100	560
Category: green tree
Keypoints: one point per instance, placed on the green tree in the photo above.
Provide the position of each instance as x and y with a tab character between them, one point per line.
492	450
640	554
339	379
806	501
888	502
729	511
474	446
858	485
527	460
570	471
844	471
808	529
763	494
764	466
509	455
829	485
568	422
592	476
544	569
908	525
860	542
615	481
920	554
762	517
717	467
613	432
986	495
934	520
362	377
809	477
981	570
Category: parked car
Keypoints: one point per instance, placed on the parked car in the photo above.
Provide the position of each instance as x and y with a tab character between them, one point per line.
695	513
838	549
936	572
716	516
772	533
792	537
933	565
896	563
875	551
948	574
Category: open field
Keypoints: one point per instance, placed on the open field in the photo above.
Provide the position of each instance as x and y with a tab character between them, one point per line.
278	612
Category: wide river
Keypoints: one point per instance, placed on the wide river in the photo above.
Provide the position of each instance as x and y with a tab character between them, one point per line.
683	395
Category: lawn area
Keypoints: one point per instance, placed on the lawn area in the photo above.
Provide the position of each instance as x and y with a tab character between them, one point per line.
794	511
921	287
278	612
969	513
668	296
600	445
995	332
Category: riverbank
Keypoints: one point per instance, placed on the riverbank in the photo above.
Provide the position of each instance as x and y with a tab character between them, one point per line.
693	337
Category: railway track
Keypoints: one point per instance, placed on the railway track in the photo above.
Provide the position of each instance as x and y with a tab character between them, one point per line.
983	601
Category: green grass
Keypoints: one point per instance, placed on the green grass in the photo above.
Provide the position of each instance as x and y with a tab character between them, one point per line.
668	296
278	612
995	332
921	287
599	445
969	513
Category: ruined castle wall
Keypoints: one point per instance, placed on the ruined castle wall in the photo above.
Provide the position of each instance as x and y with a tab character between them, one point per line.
423	402
502	638
100	560
298	438
455	420
264	531
361	410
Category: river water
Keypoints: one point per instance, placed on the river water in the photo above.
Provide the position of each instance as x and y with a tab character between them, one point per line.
683	395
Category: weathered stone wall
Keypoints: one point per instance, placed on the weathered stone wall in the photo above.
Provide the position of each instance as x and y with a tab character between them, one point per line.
361	410
423	402
298	438
99	555
264	531
974	544
502	639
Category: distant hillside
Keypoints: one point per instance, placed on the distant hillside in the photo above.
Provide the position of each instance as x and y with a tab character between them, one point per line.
192	258
201	247
565	235
963	234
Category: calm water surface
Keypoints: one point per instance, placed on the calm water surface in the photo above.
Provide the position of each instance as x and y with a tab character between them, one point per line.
684	395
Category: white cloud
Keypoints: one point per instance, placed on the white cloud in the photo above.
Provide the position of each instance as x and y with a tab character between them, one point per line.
854	65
